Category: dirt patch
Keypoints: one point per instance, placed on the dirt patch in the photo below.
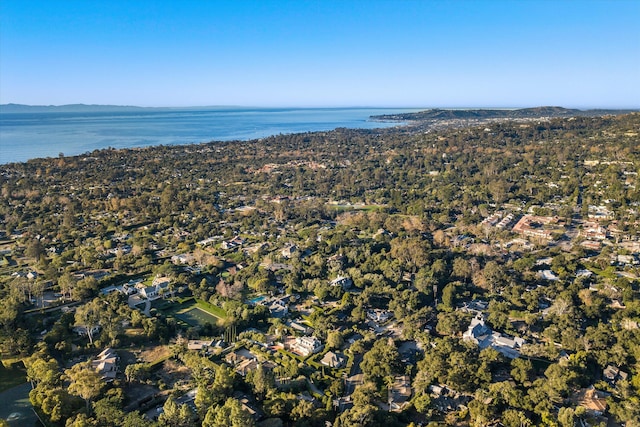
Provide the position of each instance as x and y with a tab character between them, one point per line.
174	374
152	354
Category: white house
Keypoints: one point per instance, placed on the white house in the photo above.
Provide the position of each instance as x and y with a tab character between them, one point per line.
278	308
106	364
479	333
289	250
379	316
307	345
156	288
344	282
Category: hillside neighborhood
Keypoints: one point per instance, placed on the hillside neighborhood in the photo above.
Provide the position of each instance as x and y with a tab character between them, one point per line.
429	291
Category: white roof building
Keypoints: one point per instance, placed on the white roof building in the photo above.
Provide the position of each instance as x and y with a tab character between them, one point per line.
307	345
479	333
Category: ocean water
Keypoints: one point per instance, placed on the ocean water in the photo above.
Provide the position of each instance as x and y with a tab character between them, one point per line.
25	136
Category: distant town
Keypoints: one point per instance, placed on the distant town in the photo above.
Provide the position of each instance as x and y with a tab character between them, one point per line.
440	273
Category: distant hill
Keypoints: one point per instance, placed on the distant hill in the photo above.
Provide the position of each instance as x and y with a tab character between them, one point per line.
95	108
69	108
523	113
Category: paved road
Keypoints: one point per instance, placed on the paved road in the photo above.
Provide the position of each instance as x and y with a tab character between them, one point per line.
147	308
355	376
16	407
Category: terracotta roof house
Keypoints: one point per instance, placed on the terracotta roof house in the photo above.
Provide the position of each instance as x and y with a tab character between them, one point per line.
592	400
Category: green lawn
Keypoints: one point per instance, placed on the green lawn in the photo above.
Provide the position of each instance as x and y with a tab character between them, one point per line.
11	377
197	316
194	312
215	310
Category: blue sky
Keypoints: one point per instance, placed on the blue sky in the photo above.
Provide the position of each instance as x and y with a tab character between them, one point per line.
404	53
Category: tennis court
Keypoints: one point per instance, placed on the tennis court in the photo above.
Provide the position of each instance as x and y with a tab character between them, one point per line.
196	316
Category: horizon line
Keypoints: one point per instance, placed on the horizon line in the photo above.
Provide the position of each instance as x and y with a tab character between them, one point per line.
220	106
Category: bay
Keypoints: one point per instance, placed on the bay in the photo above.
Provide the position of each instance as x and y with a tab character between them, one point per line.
28	135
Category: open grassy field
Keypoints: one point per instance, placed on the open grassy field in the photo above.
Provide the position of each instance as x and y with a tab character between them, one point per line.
195	312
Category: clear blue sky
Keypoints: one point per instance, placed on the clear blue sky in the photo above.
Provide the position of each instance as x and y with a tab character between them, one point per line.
405	53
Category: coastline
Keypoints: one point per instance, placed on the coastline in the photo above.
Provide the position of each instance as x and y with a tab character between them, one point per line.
26	136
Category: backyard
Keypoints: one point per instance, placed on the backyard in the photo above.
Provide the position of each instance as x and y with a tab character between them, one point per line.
194	312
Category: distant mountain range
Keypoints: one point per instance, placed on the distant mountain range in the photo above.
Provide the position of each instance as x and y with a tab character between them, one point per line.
70	108
92	108
523	113
426	115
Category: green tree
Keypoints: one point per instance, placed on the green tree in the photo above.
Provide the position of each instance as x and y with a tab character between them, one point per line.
81	420
262	381
88	317
461	269
515	418
449	296
566	417
231	414
334	340
452	323
42	371
85	382
521	370
381	362
303	409
136	372
175	415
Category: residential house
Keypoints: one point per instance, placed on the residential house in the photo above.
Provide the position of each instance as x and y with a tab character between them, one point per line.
307	345
183	259
475	306
400	393
334	360
446	400
289	250
600	213
379	316
246	366
626	260
200	344
613	374
157	287
238	356
537	226
492	220
593	231
298	326
504	222
591	399
278	308
233	243
548	275
479	333
344	282
591	244
106	364
242	360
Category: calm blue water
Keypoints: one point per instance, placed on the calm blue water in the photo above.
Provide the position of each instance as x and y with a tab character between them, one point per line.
25	136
